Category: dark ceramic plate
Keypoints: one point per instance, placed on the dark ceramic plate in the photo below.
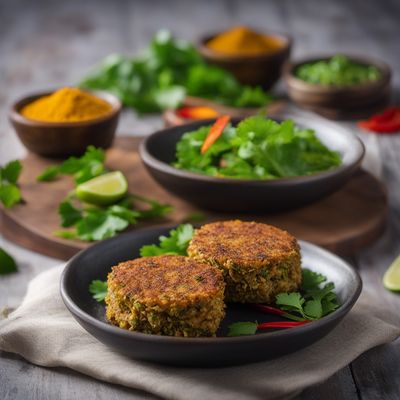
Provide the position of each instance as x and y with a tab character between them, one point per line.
96	261
246	195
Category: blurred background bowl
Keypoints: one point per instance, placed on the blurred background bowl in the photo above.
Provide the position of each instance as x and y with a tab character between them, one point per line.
64	139
344	101
247	195
262	69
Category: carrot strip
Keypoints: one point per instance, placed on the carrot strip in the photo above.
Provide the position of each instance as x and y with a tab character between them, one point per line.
215	132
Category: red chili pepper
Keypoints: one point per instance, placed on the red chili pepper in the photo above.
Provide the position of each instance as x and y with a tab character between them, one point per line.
386	122
284	324
268	309
215	132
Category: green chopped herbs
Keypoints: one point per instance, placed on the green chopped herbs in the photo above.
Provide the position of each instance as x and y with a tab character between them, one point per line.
84	168
176	243
92	223
315	300
89	222
337	71
7	263
10	193
169	70
258	148
98	289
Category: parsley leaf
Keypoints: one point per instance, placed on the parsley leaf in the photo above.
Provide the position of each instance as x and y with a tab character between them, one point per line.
10	194
242	328
98	289
68	213
84	168
176	243
7	263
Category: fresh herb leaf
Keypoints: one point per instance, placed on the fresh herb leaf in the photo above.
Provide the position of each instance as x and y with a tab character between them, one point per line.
242	328
11	171
98	289
10	193
7	263
84	168
49	174
194	217
69	214
176	243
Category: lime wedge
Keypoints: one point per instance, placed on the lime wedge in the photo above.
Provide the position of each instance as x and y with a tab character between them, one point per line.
104	189
391	279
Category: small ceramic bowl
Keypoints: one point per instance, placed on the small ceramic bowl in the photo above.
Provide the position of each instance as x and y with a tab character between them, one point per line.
263	69
157	152
339	100
64	139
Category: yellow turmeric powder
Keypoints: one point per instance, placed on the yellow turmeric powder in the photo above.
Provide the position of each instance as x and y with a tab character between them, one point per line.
66	105
241	41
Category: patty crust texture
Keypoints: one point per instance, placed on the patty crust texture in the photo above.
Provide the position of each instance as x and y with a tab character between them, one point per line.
166	295
258	261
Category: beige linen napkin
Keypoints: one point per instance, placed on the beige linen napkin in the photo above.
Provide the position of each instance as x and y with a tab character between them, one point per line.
42	331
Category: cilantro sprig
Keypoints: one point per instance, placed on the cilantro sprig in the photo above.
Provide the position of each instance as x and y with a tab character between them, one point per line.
315	300
90	165
90	223
7	263
98	289
10	193
176	243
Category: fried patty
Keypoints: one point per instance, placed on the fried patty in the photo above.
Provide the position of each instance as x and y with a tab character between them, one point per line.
166	295
258	261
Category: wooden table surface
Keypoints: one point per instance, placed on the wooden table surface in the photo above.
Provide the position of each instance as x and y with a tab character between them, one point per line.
47	44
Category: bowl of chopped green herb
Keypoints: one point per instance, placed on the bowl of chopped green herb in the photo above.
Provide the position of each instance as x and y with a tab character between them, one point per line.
339	85
252	165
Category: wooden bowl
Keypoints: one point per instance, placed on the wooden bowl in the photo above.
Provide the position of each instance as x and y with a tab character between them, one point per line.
171	117
340	101
263	69
64	139
158	150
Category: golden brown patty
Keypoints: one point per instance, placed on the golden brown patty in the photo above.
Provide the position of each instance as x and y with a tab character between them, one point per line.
171	295
258	260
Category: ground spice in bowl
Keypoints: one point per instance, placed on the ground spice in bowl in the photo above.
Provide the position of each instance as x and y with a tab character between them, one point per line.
242	41
66	105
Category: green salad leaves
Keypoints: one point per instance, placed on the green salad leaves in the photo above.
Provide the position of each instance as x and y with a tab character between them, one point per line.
338	70
258	148
169	70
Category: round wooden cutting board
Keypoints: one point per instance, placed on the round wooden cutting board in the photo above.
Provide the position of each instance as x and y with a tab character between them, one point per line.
344	222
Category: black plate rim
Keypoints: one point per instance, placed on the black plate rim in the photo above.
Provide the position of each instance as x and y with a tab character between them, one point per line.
110	329
153	162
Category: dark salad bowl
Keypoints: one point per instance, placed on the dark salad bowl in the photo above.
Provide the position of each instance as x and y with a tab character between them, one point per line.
157	152
96	262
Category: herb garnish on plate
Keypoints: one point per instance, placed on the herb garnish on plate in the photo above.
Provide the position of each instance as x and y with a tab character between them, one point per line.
10	193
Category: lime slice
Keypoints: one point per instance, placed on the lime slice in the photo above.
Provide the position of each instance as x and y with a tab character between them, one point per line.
391	279
104	189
